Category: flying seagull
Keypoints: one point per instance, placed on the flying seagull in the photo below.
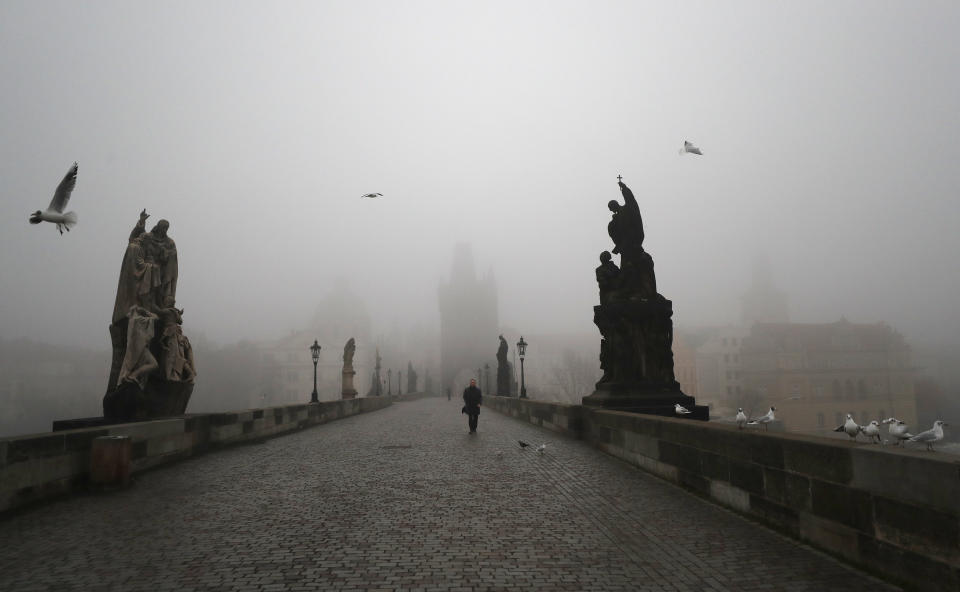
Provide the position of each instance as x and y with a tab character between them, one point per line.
741	418
872	430
934	434
372	195
765	420
688	147
680	409
54	213
850	427
523	444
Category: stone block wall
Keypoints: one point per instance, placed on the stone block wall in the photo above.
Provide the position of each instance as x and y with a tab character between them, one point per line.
892	511
41	466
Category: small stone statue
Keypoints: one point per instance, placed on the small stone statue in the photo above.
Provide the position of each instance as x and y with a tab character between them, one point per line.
503	369
411	378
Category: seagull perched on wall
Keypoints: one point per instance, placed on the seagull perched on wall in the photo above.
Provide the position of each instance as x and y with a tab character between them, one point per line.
54	213
680	409
934	434
372	195
765	420
542	448
871	430
897	430
690	148
850	427
741	418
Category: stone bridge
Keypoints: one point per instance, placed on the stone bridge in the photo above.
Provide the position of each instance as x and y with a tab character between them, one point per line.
400	498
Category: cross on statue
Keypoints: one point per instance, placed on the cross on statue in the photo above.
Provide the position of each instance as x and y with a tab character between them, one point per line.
619	178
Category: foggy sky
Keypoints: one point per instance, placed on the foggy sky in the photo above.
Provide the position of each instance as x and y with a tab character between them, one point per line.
828	133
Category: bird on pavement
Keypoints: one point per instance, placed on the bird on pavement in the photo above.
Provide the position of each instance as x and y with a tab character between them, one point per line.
934	434
54	213
523	444
872	430
372	195
680	409
690	148
741	418
897	430
765	420
850	427
542	448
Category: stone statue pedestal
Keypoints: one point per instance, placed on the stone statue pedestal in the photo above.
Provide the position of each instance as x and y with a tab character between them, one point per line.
348	392
636	354
161	398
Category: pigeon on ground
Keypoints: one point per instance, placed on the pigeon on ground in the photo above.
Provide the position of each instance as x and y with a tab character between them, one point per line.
741	418
542	448
680	409
765	420
523	444
54	213
850	427
872	430
372	195
897	430
934	434
688	147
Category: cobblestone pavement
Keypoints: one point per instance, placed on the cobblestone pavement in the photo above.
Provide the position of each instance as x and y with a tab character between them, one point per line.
405	499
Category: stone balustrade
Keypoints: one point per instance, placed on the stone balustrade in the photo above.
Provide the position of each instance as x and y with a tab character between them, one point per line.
892	511
40	466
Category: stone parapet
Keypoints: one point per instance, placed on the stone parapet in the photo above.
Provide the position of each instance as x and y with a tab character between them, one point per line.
41	466
892	511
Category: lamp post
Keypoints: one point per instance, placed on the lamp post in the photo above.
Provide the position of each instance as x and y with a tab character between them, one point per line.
315	352
522	350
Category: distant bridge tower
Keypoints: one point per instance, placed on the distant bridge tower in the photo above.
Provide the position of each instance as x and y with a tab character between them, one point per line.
468	321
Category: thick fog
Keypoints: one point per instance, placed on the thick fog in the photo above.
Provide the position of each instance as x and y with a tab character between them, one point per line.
827	132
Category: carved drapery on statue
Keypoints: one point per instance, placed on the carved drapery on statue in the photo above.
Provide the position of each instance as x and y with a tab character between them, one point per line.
153	369
635	322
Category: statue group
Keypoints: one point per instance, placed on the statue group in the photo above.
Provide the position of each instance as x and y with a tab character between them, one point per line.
152	372
635	322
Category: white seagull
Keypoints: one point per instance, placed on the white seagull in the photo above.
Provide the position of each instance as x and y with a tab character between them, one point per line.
872	430
765	420
897	430
934	434
688	147
54	213
542	448
680	409
850	427
741	418
372	195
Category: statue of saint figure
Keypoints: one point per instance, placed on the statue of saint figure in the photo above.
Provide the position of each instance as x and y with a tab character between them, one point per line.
636	265
162	251
503	369
608	277
148	274
348	351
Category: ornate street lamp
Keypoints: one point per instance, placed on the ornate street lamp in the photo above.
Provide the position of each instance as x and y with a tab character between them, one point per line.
522	350
315	352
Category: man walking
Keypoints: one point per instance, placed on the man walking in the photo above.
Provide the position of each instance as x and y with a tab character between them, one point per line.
471	404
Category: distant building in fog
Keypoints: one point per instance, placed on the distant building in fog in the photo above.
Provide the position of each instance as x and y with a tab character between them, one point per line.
763	302
717	366
817	373
685	365
468	321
